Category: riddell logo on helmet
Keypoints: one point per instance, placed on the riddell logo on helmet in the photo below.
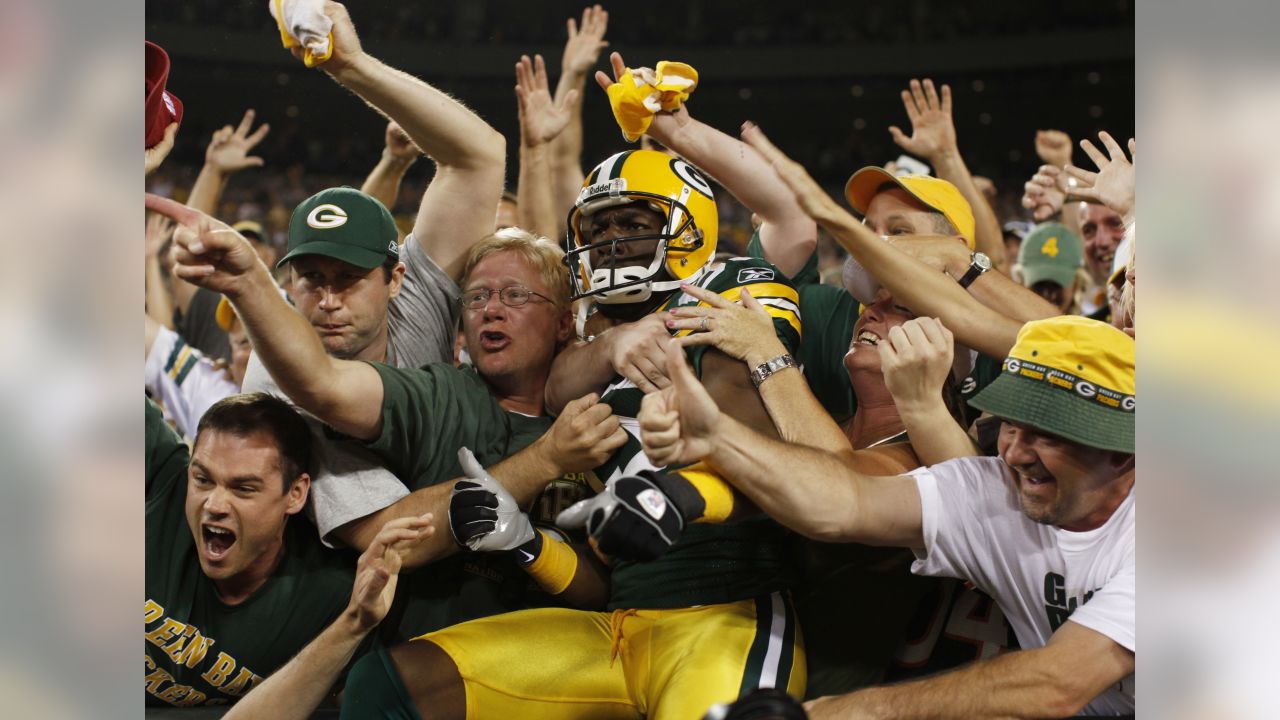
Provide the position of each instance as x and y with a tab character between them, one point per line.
324	217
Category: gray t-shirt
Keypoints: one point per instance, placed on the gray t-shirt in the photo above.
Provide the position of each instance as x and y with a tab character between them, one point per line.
347	481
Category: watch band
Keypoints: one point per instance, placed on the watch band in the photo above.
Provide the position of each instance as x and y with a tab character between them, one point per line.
767	368
976	268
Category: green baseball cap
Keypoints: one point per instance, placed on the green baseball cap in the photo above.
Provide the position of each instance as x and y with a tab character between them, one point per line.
1050	252
345	224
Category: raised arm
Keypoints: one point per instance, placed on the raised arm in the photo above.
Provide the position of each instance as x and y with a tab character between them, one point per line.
933	137
458	206
296	690
915	284
398	154
581	52
345	394
541	122
788	235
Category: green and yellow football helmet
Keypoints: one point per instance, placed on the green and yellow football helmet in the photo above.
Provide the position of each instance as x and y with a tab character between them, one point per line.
686	245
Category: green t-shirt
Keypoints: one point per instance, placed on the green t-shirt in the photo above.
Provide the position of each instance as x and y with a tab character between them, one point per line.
199	650
427	414
710	563
829	315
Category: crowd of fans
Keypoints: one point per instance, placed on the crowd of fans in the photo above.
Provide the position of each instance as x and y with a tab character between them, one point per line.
678	435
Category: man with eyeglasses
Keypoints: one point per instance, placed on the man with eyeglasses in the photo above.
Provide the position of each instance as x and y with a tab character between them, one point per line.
414	420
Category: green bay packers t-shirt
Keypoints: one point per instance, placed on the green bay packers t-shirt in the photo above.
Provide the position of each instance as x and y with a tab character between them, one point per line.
199	650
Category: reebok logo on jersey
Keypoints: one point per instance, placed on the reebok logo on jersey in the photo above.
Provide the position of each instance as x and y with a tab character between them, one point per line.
749	275
324	217
653	503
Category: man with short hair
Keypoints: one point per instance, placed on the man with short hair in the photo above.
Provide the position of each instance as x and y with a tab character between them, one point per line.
233	588
1046	528
1101	229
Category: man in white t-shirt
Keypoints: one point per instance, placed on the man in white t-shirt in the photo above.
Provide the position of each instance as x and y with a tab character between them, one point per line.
1046	528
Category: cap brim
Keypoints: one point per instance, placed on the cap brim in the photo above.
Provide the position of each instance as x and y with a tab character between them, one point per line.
360	257
1056	411
865	183
1033	274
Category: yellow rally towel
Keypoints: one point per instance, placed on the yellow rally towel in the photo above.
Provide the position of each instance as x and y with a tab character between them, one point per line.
640	93
303	23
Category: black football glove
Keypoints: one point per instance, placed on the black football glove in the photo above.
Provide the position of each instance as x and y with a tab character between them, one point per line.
633	518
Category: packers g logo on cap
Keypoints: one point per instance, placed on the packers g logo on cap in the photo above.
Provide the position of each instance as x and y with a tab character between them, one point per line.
326	216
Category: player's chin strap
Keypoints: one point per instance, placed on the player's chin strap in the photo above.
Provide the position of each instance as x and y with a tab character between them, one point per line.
583	312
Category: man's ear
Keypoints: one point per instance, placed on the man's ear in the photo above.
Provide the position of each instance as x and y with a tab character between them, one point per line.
297	493
1123	462
397	278
564	330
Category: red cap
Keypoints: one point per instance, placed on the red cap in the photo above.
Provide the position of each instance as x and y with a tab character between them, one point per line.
163	108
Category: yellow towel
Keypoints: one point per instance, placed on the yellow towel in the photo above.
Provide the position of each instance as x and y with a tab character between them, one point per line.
640	93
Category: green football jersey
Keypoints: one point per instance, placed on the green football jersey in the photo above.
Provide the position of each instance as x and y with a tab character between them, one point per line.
829	315
710	563
199	650
427	414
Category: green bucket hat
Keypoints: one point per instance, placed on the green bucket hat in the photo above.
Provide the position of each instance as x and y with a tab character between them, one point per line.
1069	376
1051	252
345	224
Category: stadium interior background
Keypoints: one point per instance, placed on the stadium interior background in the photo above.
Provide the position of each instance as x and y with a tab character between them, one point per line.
822	78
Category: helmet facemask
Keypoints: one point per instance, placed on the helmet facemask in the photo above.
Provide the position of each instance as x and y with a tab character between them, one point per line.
609	282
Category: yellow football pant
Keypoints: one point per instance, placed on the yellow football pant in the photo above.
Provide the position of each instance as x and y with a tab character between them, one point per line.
655	664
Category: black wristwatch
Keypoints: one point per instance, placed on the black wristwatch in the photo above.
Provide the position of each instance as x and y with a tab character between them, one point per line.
978	264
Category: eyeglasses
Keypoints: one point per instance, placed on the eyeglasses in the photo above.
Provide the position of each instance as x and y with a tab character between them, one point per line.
511	296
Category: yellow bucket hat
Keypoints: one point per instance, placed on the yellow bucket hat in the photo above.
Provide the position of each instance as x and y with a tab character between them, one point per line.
1070	376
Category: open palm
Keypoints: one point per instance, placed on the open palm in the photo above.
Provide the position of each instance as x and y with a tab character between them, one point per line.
932	131
541	118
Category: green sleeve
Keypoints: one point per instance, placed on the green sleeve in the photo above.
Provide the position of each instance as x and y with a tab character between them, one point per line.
808	274
431	411
829	315
166	455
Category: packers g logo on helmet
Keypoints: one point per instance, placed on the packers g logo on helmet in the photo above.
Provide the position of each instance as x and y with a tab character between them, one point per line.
685	246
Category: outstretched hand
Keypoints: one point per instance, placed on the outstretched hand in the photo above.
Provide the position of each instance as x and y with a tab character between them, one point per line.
378	568
206	251
229	150
1114	183
585	42
677	424
541	118
933	134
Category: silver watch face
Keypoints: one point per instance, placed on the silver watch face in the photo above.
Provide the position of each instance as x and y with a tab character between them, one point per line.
982	261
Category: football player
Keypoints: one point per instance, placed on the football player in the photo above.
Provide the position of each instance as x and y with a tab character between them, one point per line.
698	614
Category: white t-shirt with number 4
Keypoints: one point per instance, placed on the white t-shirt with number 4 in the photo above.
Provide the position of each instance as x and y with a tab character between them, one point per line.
974	529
